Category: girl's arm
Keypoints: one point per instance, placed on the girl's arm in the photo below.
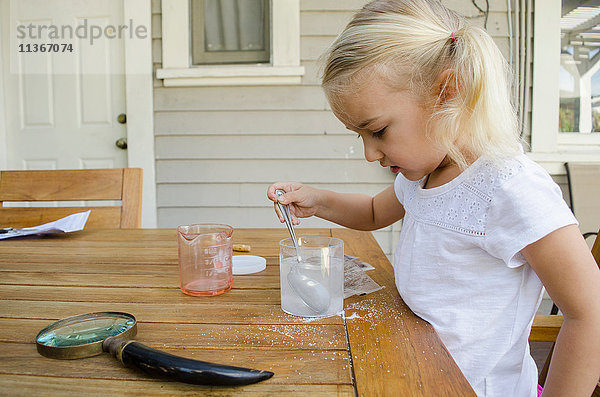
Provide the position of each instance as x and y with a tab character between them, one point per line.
564	264
355	211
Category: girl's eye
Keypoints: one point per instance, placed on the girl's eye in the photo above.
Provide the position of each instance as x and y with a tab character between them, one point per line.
378	134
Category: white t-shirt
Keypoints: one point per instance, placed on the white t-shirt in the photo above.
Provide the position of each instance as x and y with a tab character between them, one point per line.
458	265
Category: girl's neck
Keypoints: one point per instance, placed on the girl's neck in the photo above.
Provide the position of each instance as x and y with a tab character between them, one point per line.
444	173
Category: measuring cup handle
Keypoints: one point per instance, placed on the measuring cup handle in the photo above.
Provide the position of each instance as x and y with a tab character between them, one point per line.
158	363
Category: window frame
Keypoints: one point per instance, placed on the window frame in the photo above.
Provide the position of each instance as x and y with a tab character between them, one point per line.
177	68
549	147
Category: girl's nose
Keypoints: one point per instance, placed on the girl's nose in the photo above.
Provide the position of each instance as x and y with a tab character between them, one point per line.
372	153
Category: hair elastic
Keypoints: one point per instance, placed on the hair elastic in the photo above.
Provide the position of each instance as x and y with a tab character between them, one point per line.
452	35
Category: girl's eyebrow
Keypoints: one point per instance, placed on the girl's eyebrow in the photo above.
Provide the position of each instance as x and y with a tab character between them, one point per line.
366	123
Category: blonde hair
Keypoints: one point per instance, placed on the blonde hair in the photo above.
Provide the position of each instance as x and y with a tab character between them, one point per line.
412	43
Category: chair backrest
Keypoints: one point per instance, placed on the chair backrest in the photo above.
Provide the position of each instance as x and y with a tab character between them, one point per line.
584	192
124	184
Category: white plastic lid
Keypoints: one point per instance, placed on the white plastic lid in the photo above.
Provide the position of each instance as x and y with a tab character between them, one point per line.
248	264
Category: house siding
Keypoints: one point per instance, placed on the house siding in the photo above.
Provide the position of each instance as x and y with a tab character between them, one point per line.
218	148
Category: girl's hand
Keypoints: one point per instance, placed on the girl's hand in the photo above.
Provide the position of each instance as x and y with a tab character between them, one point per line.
303	200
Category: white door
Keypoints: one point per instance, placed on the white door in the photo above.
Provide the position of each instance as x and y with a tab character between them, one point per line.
62	107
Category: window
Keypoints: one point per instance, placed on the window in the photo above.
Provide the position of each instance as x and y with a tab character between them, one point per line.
579	80
566	84
179	68
226	31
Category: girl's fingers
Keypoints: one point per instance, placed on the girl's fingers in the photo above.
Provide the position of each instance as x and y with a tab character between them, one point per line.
286	199
290	197
271	193
295	220
287	187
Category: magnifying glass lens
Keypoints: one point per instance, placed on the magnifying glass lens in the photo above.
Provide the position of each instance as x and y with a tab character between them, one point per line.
80	330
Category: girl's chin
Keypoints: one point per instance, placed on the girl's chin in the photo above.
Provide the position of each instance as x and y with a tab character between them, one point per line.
408	174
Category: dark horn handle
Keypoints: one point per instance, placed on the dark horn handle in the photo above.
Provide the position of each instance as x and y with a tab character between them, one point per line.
158	363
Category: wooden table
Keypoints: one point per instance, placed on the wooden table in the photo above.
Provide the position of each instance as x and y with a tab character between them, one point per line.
380	348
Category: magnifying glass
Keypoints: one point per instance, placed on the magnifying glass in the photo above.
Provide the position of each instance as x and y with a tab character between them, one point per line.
87	335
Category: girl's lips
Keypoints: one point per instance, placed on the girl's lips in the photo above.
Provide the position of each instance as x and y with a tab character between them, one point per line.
394	169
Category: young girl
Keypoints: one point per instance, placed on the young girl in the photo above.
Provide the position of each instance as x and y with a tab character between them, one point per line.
483	224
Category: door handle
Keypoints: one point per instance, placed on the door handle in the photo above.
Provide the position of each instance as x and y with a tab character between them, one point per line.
122	118
121	143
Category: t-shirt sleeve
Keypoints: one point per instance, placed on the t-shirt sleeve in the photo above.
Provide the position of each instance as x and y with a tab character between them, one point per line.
524	209
400	184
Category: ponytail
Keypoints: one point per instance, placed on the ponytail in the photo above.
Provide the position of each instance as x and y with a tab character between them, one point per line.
480	118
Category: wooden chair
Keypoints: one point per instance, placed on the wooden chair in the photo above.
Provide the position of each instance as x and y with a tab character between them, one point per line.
124	184
545	328
584	190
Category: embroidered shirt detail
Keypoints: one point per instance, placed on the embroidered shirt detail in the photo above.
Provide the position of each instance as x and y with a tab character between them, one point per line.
462	208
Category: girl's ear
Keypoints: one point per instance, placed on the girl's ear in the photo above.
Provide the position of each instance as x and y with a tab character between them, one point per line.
447	86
